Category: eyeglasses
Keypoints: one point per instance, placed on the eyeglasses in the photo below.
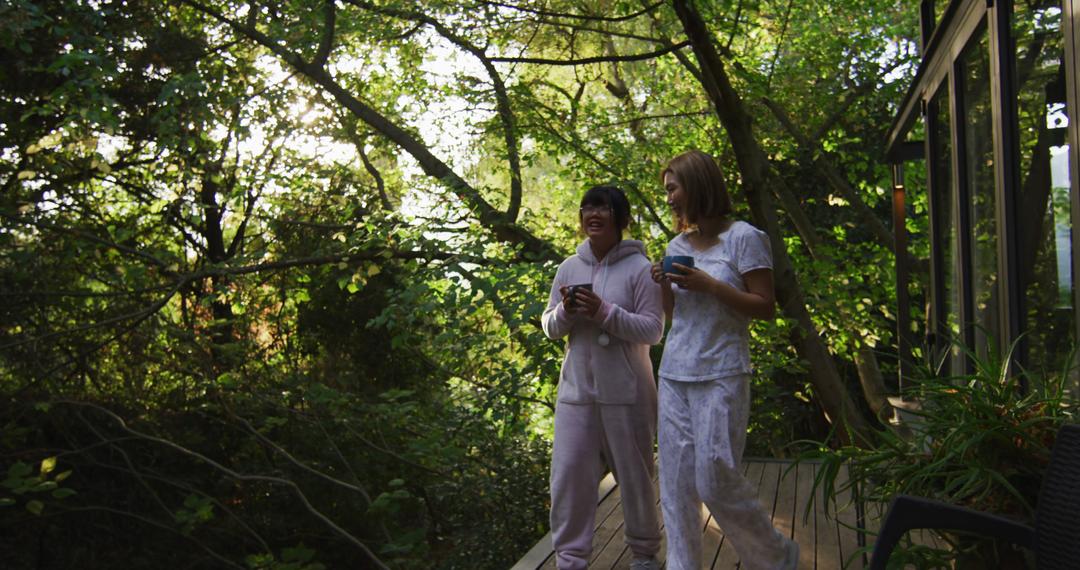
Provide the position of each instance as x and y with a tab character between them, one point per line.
598	210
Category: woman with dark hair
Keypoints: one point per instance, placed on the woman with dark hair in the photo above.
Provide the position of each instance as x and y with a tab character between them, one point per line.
705	370
606	407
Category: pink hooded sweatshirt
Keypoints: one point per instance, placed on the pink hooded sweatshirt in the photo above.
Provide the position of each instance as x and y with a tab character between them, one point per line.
632	317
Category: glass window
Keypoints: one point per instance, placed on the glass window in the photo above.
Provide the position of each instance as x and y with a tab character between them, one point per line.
1043	208
944	227
978	180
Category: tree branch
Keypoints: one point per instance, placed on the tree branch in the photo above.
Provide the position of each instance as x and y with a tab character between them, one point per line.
779	42
580	149
161	526
84	294
848	99
495	221
683	115
174	483
829	173
598	59
380	185
502	99
349	467
348	257
239	477
551	14
138	316
299	464
327	42
608	33
91	238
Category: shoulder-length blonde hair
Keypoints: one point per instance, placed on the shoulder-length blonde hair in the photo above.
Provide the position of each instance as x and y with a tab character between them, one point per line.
703	182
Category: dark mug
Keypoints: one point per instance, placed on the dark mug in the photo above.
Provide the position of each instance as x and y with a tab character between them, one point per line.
670	260
572	290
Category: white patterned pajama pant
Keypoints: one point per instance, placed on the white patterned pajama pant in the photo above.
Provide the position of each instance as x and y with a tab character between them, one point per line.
702	436
624	435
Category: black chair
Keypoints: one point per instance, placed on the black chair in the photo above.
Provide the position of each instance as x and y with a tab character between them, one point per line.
1054	537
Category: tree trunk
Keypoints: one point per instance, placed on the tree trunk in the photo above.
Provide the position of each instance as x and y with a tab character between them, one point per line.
873	385
221	328
829	388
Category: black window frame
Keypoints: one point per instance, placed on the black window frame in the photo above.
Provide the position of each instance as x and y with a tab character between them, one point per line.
943	44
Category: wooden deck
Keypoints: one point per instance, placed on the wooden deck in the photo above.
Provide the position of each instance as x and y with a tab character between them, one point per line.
826	542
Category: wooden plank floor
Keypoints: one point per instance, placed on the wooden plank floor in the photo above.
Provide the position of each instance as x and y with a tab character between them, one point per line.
827	542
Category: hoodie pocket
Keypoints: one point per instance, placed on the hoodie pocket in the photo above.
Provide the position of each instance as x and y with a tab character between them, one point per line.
617	370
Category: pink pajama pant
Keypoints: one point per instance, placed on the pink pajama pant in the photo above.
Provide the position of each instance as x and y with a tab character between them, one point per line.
585	436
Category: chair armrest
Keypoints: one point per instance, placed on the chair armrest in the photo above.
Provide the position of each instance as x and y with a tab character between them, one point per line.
907	513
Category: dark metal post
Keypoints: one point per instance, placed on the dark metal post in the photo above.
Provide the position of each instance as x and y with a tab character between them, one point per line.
1006	174
903	303
926	23
1071	32
962	211
936	186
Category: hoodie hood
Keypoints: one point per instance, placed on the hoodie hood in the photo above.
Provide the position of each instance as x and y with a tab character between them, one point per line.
623	249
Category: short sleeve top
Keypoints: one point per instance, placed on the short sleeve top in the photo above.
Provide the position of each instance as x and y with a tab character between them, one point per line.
708	339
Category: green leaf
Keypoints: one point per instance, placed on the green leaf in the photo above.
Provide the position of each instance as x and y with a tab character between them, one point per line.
228	380
63	493
44	486
297	554
19	470
259	561
35	507
47	465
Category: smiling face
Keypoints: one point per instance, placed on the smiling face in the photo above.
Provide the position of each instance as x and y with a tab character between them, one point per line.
598	223
676	195
604	214
695	189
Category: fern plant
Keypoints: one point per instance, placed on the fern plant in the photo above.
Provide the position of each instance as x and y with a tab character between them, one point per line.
981	440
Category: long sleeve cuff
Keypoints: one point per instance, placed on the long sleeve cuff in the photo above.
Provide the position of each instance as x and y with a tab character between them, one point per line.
603	312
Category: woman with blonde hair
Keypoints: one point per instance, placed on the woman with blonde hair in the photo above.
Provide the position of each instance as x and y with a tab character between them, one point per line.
704	393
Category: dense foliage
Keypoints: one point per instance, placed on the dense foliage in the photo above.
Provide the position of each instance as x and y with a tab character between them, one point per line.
272	271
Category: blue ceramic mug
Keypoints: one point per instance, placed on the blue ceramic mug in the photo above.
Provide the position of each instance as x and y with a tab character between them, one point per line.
670	260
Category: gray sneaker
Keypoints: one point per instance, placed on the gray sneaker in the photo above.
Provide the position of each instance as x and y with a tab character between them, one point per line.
644	564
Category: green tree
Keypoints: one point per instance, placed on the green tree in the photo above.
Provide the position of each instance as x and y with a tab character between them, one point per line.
273	271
